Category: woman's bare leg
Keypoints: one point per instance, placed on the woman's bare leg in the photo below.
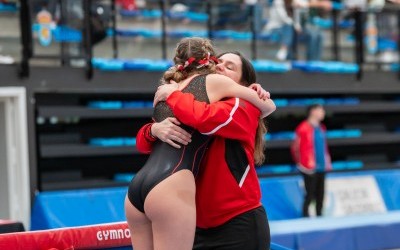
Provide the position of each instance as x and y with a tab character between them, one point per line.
139	226
172	210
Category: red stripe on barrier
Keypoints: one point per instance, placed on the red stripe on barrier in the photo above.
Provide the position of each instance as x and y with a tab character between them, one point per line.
72	238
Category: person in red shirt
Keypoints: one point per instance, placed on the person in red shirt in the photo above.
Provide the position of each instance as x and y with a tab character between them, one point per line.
229	212
311	155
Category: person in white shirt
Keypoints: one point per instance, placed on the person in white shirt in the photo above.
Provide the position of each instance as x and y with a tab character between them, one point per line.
281	21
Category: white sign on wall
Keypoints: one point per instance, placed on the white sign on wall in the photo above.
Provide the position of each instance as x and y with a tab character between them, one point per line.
352	196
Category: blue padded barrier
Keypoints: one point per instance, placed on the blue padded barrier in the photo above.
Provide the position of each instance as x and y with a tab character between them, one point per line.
365	232
78	208
275	246
380	236
282	197
287	240
388	181
324	239
326	67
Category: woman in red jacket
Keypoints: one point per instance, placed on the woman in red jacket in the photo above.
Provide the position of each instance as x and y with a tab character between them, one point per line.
311	155
229	212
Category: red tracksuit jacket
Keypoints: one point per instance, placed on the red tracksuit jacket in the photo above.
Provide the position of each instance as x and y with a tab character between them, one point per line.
227	184
303	148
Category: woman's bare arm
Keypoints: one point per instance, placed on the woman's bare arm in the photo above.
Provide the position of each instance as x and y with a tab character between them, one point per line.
220	87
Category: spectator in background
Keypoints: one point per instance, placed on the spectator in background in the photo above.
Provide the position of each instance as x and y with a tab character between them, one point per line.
281	22
306	11
311	155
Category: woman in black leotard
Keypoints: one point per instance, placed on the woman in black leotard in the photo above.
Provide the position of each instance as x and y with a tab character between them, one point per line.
160	205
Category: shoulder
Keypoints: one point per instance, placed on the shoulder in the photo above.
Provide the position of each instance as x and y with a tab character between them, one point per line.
303	126
217	79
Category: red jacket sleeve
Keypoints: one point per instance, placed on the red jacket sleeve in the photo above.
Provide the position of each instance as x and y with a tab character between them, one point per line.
144	140
232	118
295	148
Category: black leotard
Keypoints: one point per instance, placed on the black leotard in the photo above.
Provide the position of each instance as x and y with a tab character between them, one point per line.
164	159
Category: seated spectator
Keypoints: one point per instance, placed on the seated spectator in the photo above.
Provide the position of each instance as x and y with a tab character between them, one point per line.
306	10
281	22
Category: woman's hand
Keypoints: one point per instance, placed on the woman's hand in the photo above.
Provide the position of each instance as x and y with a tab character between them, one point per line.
169	131
164	91
262	93
266	97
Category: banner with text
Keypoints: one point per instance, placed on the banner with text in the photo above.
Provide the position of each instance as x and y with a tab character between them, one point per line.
352	196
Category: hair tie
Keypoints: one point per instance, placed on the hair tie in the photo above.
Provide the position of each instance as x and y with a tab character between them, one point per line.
206	61
214	59
186	64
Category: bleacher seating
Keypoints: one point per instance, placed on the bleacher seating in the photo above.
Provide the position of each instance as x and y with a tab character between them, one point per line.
8	7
